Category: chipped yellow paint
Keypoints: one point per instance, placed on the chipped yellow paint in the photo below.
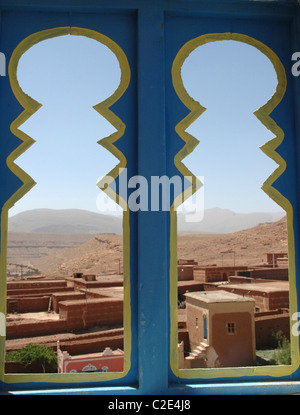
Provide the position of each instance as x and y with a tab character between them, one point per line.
196	110
30	107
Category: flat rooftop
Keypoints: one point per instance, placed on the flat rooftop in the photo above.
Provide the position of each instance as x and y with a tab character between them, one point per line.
267	287
218	296
117	292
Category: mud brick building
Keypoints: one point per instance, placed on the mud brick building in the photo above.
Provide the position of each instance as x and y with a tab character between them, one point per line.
277	273
220	323
214	273
269	322
185	272
185	269
58	297
80	281
275	259
83	314
82	302
56	307
272	295
33	295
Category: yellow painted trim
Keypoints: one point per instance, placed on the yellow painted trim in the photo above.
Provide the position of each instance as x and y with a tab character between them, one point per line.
269	148
30	107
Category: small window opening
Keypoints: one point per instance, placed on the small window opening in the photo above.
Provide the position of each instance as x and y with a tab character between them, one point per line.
230	328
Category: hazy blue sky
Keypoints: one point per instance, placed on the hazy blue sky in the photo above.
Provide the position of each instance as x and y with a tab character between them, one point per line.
70	74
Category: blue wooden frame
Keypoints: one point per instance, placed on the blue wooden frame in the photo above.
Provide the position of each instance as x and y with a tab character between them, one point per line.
150	231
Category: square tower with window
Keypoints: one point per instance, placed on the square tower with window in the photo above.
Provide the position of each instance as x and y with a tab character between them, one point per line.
223	322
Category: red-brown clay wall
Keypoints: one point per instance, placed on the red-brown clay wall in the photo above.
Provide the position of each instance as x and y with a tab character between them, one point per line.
270	273
273	257
212	274
28	304
79	283
93	345
183	335
74	315
264	300
23	285
194	324
82	344
261	302
82	314
199	274
233	349
237	279
267	325
261	298
58	297
187	262
189	286
36	291
279	300
185	272
17	330
208	286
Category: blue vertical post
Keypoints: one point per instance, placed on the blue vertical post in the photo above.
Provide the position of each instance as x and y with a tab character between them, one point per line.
152	226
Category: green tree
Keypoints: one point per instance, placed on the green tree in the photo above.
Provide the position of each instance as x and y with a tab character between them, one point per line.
37	354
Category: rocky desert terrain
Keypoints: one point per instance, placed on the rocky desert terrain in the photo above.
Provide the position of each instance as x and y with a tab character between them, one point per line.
62	254
250	245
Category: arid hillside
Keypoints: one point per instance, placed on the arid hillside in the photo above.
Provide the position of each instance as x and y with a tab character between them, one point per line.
65	254
250	246
101	254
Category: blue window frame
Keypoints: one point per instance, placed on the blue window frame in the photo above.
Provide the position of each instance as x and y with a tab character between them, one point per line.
151	34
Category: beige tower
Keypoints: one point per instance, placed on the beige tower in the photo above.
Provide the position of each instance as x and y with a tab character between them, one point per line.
221	324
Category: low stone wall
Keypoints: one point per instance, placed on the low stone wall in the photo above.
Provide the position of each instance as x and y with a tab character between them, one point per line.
27	304
82	314
279	300
36	291
19	329
212	274
63	296
266	325
270	273
27	284
93	345
189	286
81	283
75	344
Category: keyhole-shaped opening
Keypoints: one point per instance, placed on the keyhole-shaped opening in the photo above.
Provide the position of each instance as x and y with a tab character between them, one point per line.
231	80
75	79
68	75
239	247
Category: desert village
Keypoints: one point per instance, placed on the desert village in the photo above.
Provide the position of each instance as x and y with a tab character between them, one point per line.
225	313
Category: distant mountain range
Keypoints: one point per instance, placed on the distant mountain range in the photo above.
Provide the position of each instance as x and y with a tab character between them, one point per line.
218	220
64	221
81	221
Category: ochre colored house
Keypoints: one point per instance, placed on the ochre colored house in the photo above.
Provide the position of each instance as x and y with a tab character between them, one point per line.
223	322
